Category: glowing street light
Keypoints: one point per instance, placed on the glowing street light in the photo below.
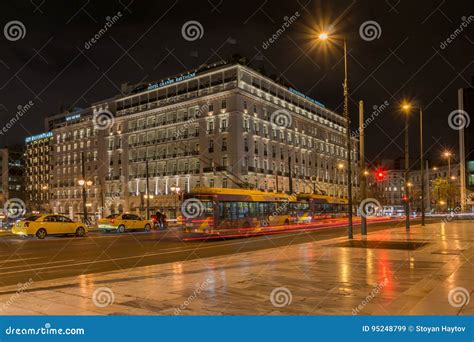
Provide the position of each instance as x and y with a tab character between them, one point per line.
324	36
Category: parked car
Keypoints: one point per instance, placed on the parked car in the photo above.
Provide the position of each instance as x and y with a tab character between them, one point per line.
122	222
44	225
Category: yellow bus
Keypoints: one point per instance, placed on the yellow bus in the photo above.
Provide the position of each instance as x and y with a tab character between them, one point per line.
226	210
313	207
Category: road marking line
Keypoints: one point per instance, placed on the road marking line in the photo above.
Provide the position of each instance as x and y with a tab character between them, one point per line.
15	260
32	265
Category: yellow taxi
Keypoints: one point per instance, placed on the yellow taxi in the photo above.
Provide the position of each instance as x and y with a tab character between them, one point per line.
122	222
44	225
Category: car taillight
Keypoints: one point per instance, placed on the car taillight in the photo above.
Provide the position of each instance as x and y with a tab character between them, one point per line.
112	221
27	224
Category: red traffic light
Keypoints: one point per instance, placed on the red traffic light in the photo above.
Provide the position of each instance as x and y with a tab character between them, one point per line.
380	174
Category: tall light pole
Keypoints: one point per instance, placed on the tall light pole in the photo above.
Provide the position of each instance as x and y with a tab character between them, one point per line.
83	183
448	155
147	191
363	178
325	36
406	108
422	170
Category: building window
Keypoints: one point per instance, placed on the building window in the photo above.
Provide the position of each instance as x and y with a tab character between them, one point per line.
224	182
224	144
224	125
246	125
211	146
224	104
210	127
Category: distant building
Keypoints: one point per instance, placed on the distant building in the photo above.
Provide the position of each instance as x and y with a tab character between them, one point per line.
442	183
11	174
466	147
441	186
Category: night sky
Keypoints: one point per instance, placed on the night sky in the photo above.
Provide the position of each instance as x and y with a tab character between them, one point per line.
51	66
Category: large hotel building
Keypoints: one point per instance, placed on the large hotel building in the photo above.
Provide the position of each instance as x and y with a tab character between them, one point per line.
222	125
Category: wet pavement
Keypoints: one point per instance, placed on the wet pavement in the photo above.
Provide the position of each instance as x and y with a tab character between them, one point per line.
427	271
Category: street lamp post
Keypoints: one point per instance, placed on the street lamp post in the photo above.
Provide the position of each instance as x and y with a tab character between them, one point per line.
176	190
406	107
147	191
448	155
363	177
83	183
422	170
324	36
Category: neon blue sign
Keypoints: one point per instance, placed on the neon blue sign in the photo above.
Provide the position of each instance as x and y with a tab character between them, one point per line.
73	117
171	81
39	137
296	92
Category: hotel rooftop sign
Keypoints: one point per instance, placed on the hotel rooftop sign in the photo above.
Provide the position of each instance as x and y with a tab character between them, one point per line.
296	92
171	81
39	137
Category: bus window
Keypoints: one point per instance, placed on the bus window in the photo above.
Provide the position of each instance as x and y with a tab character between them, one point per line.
208	209
244	210
253	209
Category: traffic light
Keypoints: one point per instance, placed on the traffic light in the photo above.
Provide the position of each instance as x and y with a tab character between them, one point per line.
380	174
